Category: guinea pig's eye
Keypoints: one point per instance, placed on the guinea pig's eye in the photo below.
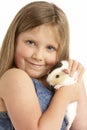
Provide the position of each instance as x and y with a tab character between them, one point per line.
57	76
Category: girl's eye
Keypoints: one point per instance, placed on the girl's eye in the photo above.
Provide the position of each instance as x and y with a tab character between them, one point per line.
30	42
51	48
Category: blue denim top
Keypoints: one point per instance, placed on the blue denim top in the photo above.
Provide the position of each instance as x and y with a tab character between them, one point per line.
44	96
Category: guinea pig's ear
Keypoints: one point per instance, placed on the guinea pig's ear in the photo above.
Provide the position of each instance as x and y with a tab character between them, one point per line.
58	65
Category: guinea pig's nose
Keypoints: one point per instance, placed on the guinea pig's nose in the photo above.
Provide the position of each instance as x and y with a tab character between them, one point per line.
66	71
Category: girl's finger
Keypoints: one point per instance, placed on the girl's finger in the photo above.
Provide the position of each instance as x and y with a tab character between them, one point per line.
73	65
80	71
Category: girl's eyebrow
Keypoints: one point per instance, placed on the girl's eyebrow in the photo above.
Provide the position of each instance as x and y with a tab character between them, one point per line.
30	37
53	45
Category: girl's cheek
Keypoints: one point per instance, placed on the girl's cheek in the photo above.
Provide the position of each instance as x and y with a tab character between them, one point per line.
51	62
52	59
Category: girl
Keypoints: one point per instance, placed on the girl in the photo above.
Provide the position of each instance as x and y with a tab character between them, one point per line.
36	40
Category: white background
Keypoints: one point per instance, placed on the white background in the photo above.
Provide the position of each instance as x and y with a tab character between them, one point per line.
77	16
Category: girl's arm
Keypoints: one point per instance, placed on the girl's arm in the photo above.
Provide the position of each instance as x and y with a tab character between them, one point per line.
80	122
22	104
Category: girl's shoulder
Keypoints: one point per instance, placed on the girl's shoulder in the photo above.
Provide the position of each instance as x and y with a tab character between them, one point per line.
14	80
13	73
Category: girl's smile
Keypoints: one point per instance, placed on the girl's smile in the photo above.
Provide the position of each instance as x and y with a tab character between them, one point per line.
37	50
35	66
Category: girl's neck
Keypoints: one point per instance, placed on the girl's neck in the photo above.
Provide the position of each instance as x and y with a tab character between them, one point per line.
43	80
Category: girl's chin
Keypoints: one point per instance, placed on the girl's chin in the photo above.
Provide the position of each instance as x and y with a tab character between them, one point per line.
35	75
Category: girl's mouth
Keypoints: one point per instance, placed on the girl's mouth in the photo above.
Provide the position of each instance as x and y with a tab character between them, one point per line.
35	65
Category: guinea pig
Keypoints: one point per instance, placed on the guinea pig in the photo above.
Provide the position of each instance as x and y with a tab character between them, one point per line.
59	77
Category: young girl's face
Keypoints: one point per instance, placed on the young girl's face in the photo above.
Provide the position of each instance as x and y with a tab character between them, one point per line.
37	50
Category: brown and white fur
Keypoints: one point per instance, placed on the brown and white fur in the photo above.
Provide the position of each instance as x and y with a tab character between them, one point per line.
59	77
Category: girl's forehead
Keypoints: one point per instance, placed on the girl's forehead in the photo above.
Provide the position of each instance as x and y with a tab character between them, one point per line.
49	31
53	29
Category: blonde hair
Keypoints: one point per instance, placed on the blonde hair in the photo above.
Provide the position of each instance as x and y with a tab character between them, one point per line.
30	16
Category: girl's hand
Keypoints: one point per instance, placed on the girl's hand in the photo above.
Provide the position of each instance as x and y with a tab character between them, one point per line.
75	66
73	92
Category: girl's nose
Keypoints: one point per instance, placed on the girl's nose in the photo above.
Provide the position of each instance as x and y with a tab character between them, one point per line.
38	55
